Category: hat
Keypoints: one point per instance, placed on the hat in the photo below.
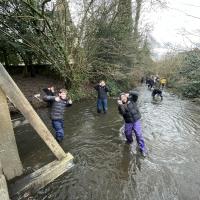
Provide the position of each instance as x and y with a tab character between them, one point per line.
133	95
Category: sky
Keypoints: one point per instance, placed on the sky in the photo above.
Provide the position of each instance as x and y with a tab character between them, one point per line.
177	25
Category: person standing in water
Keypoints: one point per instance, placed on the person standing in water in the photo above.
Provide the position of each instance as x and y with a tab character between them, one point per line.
163	82
157	91
128	109
102	102
59	103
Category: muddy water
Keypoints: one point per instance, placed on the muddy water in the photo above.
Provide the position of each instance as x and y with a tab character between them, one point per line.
104	167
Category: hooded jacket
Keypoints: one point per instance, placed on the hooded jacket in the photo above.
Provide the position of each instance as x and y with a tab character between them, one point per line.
130	112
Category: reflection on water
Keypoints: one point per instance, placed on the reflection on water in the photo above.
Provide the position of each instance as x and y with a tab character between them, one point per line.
104	166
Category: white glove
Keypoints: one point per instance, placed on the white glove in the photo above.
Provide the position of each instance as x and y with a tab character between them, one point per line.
37	95
119	102
57	98
70	101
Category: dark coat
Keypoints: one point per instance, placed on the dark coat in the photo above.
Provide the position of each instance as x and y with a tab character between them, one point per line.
58	107
130	112
102	91
48	93
156	91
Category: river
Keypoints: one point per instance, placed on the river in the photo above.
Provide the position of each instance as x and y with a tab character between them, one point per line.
105	168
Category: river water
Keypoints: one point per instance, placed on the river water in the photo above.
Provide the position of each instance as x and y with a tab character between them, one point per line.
105	168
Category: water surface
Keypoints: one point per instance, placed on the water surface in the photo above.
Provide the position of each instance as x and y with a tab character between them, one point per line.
104	167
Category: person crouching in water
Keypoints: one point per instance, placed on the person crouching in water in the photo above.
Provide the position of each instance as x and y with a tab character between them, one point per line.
102	102
128	109
57	111
157	91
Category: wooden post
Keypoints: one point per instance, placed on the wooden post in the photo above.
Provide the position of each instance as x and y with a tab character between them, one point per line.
16	96
9	156
3	186
42	176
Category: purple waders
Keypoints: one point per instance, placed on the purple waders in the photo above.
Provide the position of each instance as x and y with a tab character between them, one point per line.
136	127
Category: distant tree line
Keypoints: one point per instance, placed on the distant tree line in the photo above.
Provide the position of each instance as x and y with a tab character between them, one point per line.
182	71
105	40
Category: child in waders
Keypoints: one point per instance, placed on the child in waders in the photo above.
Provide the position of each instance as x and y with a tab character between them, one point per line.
102	102
59	103
128	109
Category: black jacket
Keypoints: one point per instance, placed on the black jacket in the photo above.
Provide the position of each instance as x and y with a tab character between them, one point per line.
58	107
130	112
102	91
48	93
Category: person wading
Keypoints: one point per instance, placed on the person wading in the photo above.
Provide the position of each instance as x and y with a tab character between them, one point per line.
128	109
59	103
102	102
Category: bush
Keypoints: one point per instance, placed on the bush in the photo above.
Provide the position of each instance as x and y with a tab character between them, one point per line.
191	90
123	85
114	87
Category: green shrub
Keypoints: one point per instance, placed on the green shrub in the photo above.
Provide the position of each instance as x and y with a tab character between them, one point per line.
114	87
191	90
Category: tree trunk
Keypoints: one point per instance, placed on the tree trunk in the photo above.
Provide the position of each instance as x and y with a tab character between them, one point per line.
136	27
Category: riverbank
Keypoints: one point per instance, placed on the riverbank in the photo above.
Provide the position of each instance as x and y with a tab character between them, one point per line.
34	85
31	86
175	90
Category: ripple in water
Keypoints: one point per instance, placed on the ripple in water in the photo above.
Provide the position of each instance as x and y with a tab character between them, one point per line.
105	168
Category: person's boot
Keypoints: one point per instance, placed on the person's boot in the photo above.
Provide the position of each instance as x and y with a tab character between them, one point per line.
144	153
133	148
98	111
59	139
